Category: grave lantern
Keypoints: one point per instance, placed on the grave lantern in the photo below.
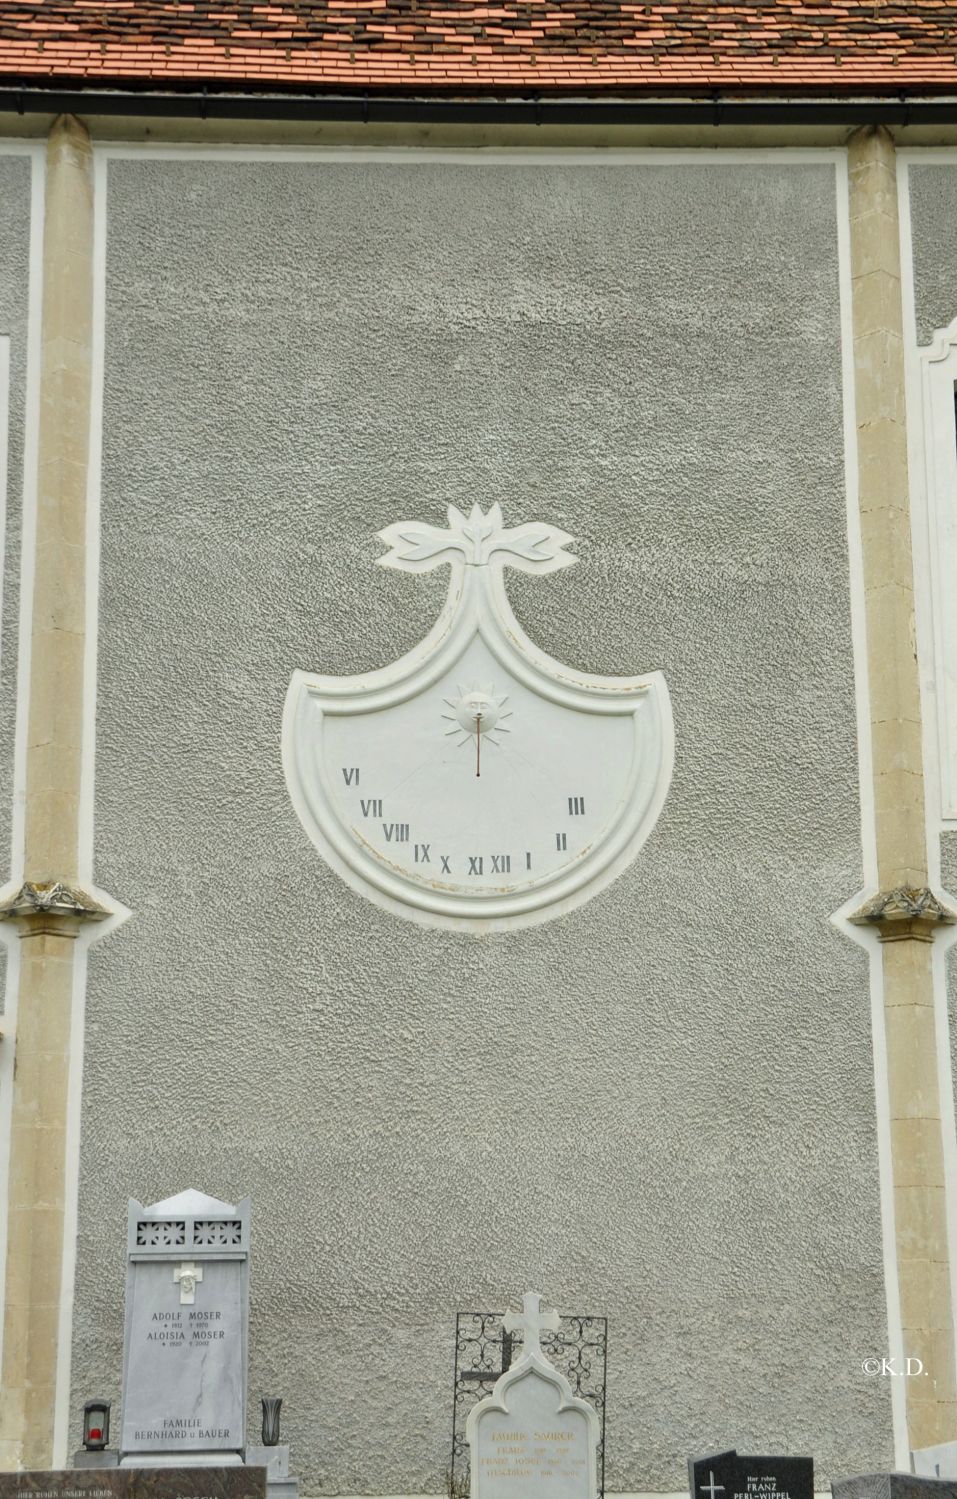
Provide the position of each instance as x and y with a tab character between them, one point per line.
96	1425
271	1408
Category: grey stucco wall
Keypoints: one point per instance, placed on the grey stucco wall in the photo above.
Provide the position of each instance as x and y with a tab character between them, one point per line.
659	1107
15	195
933	209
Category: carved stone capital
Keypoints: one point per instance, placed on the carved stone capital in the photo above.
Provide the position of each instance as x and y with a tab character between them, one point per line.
905	913
51	908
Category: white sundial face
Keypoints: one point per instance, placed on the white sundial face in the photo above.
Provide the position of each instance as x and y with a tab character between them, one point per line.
477	784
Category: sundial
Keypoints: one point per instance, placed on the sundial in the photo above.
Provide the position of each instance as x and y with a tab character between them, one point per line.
476	782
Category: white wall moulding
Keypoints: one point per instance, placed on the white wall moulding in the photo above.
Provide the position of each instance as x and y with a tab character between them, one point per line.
938	366
476	782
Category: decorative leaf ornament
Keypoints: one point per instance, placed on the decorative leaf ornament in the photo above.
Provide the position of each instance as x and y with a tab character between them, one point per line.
417	547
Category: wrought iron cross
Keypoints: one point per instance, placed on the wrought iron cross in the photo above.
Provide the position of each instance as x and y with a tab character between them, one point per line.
531	1321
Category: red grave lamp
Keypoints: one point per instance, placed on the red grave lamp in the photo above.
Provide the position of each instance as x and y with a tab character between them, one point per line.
96	1425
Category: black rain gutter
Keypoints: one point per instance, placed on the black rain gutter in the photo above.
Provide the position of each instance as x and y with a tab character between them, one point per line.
371	108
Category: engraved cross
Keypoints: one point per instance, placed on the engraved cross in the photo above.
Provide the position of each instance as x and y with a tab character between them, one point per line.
186	1276
531	1321
711	1488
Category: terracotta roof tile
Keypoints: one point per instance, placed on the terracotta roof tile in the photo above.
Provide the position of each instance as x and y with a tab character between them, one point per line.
590	45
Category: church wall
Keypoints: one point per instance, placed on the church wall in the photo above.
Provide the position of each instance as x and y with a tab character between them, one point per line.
15	194
932	197
932	192
659	1107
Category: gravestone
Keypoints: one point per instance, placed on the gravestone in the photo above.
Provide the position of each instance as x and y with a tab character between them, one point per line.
893	1486
136	1483
936	1462
187	1318
731	1475
531	1436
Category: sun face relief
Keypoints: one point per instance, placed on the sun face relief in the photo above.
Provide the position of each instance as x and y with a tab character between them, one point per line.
476	782
476	712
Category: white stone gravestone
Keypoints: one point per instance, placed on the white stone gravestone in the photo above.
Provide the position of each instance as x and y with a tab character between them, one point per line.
936	1462
532	1438
187	1319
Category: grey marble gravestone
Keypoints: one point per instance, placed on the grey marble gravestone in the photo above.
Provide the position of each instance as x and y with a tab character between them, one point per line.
893	1486
187	1319
935	1462
532	1438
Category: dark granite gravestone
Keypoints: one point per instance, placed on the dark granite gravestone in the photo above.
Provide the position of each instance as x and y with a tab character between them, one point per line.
730	1475
136	1483
894	1486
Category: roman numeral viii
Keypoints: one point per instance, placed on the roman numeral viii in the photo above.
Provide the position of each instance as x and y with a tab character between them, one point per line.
396	832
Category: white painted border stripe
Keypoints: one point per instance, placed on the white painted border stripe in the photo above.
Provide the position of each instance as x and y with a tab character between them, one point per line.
93	489
477	156
867	939
922	543
88	934
36	150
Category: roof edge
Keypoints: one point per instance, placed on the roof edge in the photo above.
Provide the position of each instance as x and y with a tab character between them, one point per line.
901	109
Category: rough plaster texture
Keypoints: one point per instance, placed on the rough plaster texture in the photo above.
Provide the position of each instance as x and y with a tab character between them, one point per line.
14	291
933	204
660	1107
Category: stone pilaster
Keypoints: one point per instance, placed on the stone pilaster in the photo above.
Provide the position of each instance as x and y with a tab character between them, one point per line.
905	913
48	910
